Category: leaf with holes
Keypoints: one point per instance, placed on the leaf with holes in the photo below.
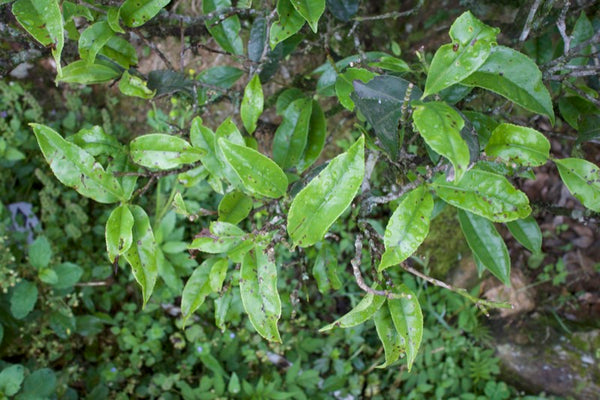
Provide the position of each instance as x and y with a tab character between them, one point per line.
137	12
519	144
289	22
220	238
325	198
258	289
393	343
408	320
76	168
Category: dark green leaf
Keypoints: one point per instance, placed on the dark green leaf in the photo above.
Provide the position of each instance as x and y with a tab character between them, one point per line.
40	252
41	384
486	194
315	140
23	299
582	178
167	82
76	168
142	253
68	275
291	136
258	39
487	244
343	9
258	289
513	75
11	379
325	198
408	227
527	232
382	101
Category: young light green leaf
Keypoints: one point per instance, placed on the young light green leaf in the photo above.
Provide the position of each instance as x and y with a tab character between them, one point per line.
486	194
258	289
135	86
92	39
142	253
487	244
471	45
112	17
234	207
291	136
289	22
519	144
515	76
252	104
311	11
68	275
258	173
440	126
225	31
76	168
408	320
119	234
315	140
120	51
23	299
344	84
161	151
582	178
325	198
363	311
11	379
217	274
87	74
527	232
408	227
197	288
393	343
137	12
221	238
43	20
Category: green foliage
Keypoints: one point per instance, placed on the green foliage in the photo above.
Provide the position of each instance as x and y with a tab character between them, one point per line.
245	216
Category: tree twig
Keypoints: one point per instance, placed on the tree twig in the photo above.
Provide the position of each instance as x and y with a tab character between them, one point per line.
528	23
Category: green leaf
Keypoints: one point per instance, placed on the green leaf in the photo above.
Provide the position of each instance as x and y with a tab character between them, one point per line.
325	198
23	299
41	384
137	12
527	232
589	128
486	194
384	101
118	233
483	124
408	320
257	40
363	311
229	131
291	136
76	168
120	51
87	74
95	141
315	140
234	386
234	207
43	20
258	173
513	75
487	244
197	288
226	32
393	64
393	343
221	238
252	104
343	10
40	252
68	275
134	86
289	22
204	139
440	126
582	178
344	84
258	289
325	270
582	31
161	151
471	45
311	11
408	227
11	379
142	253
217	274
48	275
112	17
524	146
92	39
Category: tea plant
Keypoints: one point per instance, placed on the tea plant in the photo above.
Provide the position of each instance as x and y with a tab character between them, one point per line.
286	208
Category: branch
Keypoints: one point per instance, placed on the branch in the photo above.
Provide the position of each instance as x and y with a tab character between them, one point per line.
393	14
528	23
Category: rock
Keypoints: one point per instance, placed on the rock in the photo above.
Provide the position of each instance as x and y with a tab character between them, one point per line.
519	294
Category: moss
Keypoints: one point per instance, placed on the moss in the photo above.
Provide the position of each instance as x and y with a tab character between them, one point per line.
445	245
